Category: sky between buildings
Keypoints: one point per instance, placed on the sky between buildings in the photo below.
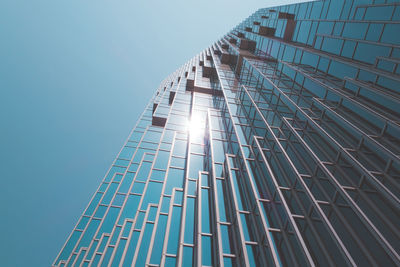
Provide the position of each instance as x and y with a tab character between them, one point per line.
74	78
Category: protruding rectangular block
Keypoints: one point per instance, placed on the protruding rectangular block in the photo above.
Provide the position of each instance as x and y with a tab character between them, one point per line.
289	30
189	84
209	71
227	58
171	97
266	31
158	121
284	15
217	52
247	44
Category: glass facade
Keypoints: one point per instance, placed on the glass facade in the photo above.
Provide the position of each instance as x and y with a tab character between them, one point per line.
278	145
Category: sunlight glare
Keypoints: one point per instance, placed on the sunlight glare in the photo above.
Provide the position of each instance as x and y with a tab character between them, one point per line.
195	126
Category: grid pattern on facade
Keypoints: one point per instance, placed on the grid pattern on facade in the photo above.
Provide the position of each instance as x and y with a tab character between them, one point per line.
278	145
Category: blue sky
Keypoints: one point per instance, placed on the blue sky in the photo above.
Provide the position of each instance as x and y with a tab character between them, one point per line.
74	78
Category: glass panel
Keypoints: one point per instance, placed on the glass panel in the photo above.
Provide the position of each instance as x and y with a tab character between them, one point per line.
158	245
157	175
89	234
196	165
175	179
187	256
162	160
206	250
152	195
144	245
173	240
130	208
189	224
127	153
131	249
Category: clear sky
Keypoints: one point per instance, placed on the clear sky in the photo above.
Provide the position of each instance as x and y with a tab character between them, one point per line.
74	78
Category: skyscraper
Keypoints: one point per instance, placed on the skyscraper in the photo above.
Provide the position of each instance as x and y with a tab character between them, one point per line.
277	145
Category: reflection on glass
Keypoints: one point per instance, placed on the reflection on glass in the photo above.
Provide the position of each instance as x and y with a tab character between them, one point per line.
195	125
